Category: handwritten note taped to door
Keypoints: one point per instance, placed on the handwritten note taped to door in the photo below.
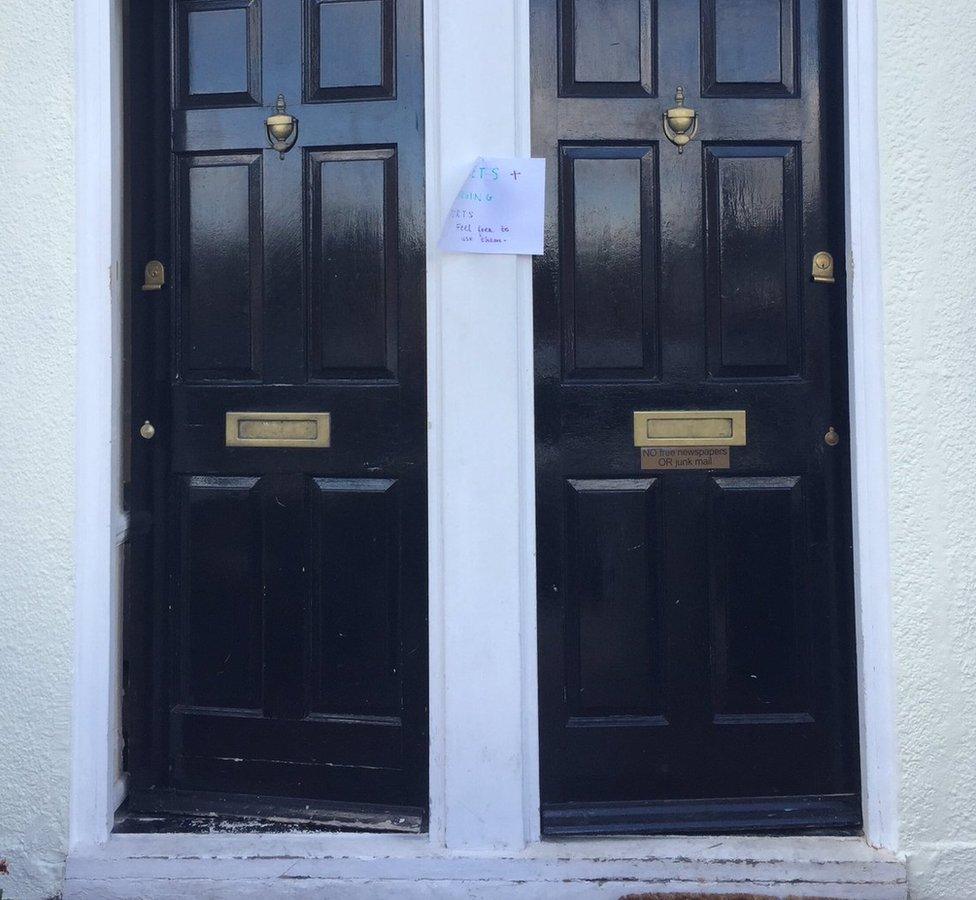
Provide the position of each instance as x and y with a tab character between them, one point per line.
499	209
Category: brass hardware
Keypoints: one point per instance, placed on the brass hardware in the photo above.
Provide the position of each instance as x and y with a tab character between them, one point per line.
147	430
282	128
278	429
831	438
155	276
823	267
684	459
680	122
690	428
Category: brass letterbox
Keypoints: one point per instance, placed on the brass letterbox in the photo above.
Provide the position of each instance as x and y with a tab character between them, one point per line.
690	428
278	429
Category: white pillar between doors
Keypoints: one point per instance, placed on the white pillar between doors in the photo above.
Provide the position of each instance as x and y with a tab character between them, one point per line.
483	762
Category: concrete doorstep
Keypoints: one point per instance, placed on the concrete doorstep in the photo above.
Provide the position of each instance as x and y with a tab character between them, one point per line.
407	868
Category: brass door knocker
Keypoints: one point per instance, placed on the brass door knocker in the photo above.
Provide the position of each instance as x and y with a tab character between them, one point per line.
282	128
680	122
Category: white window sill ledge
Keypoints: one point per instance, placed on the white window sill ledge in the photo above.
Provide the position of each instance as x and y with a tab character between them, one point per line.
407	866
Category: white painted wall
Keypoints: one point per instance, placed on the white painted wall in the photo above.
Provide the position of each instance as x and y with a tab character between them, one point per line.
927	72
37	433
482	606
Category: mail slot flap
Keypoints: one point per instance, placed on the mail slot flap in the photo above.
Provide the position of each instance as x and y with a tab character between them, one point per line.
278	429
690	428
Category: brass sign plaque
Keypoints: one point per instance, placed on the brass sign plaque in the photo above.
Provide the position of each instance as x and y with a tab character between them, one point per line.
679	459
278	429
690	428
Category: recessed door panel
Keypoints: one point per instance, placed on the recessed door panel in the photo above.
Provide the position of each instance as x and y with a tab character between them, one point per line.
351	46
749	48
610	313
353	277
752	214
694	600
218	52
614	591
759	598
609	47
219	646
221	271
355	598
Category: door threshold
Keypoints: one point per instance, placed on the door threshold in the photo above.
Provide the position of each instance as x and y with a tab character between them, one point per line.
408	867
204	812
833	814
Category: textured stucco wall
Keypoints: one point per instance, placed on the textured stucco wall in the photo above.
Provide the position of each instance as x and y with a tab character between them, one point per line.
927	59
37	374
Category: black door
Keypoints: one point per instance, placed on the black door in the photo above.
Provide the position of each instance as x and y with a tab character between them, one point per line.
284	647
695	625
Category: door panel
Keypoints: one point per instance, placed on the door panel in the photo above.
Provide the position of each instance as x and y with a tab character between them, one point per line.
353	302
351	47
694	627
615	544
219	645
218	47
749	48
219	247
757	553
610	308
355	526
608	48
289	633
752	219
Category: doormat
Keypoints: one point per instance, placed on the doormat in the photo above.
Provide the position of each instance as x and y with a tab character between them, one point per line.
698	896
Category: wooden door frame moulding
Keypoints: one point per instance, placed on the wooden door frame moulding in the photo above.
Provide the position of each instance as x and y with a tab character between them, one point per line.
100	526
484	768
869	445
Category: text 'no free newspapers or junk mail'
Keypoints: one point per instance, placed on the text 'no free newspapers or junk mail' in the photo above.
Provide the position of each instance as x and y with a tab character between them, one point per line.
499	209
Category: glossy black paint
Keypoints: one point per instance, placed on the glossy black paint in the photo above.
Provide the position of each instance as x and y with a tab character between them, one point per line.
695	628
276	607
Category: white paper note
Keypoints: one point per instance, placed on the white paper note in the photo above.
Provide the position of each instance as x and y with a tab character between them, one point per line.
499	209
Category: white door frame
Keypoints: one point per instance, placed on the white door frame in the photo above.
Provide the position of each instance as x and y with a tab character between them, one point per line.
483	711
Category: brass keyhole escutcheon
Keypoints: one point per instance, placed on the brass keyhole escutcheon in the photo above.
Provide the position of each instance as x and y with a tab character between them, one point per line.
823	267
155	276
148	430
831	438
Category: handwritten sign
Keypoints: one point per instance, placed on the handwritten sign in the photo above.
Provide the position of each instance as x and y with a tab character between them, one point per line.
499	209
